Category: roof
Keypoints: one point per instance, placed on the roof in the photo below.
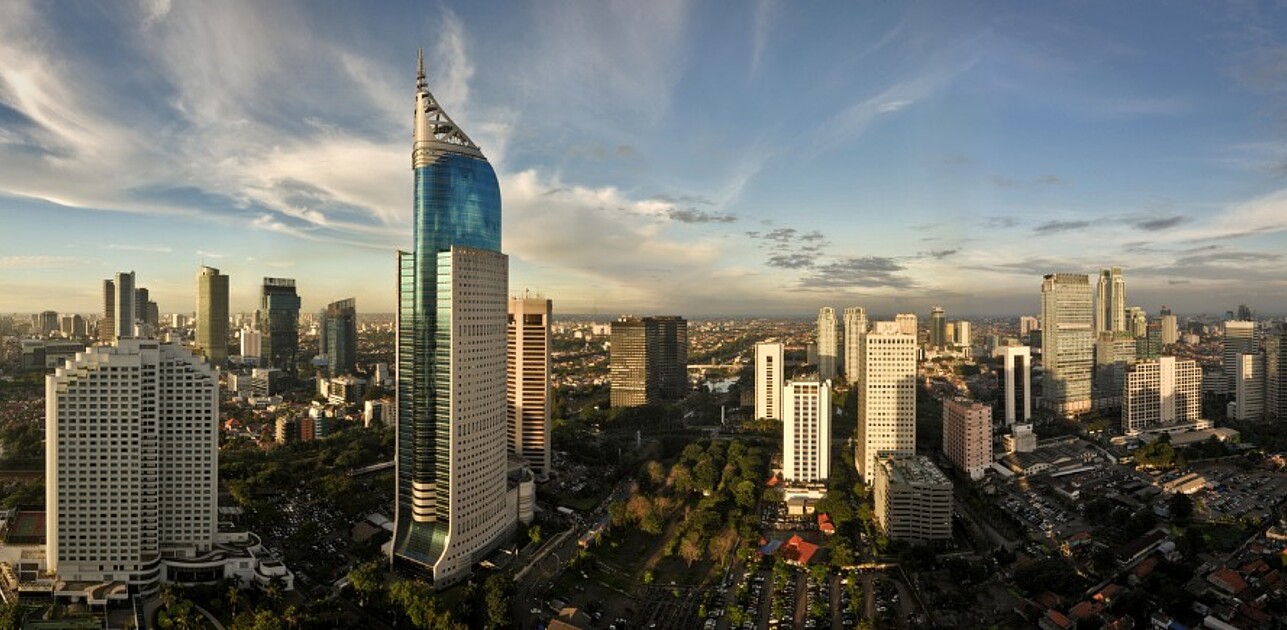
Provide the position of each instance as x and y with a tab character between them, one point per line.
1228	579
798	550
1084	610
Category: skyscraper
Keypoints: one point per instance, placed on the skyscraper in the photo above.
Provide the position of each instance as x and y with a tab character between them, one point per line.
1110	301
1249	386
107	325
907	324
769	372
450	461
529	402
967	435
212	315
806	431
1016	365
129	483
827	343
338	342
1170	328
886	397
855	327
1115	353
1276	374
279	322
126	310
1239	339
1161	393
648	361
1068	342
938	328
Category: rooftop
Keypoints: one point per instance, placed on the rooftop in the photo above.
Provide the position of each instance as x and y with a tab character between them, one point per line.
913	470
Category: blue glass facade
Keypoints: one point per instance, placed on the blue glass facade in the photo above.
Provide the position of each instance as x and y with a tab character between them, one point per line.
457	203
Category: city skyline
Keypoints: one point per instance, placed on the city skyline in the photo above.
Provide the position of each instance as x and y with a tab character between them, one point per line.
952	156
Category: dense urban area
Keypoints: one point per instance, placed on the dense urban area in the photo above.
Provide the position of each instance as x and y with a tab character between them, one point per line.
678	514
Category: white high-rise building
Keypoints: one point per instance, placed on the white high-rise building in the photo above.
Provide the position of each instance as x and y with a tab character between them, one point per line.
1249	387
907	323
1027	324
1161	393
1068	342
806	432
962	337
529	401
251	342
1016	366
1110	301
886	396
1170	330
855	326
769	372
827	343
1239	339
134	479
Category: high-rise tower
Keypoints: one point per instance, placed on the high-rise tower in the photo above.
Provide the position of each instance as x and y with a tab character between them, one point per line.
450	461
123	317
855	328
530	401
827	343
338	341
938	328
769	372
1110	301
212	315
1068	342
886	397
279	313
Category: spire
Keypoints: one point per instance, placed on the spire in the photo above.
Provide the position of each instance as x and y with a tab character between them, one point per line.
434	129
421	84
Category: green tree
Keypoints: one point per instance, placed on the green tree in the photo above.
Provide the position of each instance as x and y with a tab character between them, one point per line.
368	581
1181	507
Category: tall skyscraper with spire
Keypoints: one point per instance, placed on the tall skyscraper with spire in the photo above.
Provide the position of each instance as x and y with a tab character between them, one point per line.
450	500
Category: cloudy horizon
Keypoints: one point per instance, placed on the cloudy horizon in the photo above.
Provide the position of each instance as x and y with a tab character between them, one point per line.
679	157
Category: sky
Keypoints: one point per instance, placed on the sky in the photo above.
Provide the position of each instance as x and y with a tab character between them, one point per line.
695	158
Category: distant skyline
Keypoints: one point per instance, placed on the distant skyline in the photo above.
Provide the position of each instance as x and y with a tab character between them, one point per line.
664	157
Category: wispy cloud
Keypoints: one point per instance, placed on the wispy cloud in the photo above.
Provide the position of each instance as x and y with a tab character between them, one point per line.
42	262
159	249
1055	227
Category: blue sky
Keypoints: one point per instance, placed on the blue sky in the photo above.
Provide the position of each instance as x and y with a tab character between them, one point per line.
691	157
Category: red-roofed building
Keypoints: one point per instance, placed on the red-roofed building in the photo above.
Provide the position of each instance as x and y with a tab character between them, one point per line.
1107	594
1144	569
1228	581
1054	620
797	551
1085	610
824	524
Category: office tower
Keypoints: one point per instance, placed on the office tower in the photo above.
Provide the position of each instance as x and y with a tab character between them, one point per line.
45	322
963	334
107	325
648	360
1136	321
73	326
1170	328
806	431
855	327
967	435
1027	324
1276	374
1016	368
450	505
913	500
1068	340
251	343
279	323
129	483
828	344
212	316
886	397
1249	387
937	328
338	340
907	323
1110	301
769	371
529	401
1161	393
1245	314
1115	353
126	306
1149	346
1239	339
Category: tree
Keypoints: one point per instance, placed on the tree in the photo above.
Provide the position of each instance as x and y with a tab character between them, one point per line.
744	494
1181	507
704	474
497	592
690	549
534	534
654	473
367	580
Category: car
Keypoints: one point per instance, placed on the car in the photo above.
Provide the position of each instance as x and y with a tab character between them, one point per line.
535	611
